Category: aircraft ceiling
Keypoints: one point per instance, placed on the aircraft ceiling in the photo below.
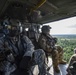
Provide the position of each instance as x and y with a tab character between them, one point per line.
41	11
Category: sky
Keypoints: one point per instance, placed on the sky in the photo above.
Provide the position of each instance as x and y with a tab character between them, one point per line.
65	26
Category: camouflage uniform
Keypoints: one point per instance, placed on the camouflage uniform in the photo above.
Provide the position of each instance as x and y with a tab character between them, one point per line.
6	59
56	53
22	54
19	52
71	61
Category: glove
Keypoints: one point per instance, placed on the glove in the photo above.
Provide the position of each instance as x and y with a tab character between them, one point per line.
24	64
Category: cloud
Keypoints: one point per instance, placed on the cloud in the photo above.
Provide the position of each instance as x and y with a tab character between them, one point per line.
72	26
66	26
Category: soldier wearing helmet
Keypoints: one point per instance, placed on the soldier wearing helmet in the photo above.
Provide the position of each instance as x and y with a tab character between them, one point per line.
48	44
18	53
46	29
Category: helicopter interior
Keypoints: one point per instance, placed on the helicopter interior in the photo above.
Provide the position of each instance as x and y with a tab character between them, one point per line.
37	11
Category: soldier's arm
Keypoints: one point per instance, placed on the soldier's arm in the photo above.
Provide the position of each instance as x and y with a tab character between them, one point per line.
29	47
43	44
28	53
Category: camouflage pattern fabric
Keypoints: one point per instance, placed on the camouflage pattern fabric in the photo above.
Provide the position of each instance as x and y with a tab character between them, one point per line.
38	56
6	65
72	59
21	50
25	46
39	59
56	54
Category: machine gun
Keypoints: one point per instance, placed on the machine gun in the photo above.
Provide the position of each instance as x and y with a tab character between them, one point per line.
51	42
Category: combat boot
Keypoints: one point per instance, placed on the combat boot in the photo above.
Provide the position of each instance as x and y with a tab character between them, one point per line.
56	69
62	62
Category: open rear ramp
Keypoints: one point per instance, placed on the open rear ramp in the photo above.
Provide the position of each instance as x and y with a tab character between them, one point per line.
62	68
51	71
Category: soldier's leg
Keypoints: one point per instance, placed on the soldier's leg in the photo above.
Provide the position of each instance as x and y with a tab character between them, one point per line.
55	61
39	58
60	55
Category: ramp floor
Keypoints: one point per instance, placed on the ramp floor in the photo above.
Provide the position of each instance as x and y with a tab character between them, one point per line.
51	71
62	68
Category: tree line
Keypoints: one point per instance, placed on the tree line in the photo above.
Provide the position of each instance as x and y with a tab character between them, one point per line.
68	44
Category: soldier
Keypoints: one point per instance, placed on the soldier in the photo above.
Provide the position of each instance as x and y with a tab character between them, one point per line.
22	53
47	43
72	63
33	35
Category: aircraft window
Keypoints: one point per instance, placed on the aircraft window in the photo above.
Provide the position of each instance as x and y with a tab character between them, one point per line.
65	31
